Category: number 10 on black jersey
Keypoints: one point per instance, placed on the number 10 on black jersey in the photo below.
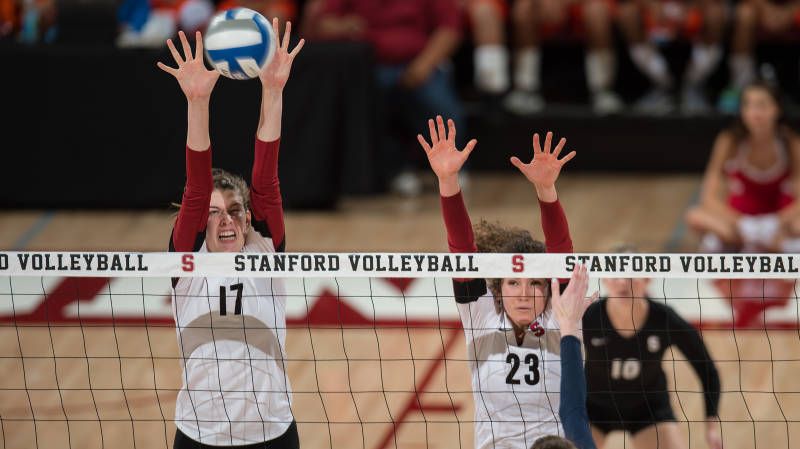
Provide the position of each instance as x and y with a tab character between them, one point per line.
223	303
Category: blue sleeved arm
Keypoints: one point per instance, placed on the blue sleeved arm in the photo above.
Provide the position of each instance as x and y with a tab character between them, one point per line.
573	395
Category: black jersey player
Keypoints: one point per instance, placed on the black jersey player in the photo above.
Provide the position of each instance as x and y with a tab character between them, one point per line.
625	336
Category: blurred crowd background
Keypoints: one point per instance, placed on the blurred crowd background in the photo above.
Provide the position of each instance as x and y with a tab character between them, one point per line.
496	45
664	74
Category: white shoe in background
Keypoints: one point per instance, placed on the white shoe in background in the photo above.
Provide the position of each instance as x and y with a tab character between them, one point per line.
605	102
522	102
407	183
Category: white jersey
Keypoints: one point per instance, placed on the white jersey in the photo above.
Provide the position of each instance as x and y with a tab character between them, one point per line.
516	388
231	336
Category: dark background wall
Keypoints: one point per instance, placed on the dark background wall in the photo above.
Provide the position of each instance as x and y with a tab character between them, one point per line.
90	126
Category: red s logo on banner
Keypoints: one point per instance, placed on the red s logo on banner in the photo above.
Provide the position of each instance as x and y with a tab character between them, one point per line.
517	263
188	262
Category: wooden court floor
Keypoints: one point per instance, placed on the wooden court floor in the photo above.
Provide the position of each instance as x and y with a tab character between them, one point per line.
351	384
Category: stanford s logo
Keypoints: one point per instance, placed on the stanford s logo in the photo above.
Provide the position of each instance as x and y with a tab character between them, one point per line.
537	329
517	263
188	262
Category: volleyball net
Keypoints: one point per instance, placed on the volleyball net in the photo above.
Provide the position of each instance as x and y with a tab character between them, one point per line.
375	350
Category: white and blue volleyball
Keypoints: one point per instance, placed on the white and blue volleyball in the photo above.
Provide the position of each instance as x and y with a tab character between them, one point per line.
239	43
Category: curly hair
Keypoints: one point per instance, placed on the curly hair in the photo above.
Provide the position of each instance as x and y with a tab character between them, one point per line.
224	180
492	237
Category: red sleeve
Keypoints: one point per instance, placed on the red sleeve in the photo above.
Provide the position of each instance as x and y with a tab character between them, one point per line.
555	227
447	15
193	215
459	229
265	193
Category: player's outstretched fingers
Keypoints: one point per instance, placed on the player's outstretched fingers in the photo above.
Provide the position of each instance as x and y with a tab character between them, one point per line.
187	49
537	148
175	55
297	48
548	139
452	127
470	146
286	34
567	158
559	147
166	68
434	135
275	31
440	128
198	49
424	144
516	162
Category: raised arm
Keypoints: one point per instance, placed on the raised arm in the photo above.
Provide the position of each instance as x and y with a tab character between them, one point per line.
265	193
569	308
445	162
197	83
688	340
542	172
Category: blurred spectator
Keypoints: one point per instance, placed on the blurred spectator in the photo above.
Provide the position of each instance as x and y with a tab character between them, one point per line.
651	21
9	18
149	23
751	17
756	165
487	19
532	21
412	43
36	22
282	9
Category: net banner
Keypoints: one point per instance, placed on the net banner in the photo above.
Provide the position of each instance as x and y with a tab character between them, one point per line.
710	291
398	265
376	349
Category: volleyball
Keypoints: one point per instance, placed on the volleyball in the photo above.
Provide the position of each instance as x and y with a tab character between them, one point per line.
239	43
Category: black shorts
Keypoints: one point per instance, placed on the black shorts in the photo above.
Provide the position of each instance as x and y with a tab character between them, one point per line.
289	440
630	412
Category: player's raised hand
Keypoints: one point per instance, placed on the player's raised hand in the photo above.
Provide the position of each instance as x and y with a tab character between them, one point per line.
277	72
195	79
445	159
570	306
542	171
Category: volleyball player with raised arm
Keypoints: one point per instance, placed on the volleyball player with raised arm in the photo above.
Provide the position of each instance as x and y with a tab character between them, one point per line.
231	331
512	336
569	307
625	336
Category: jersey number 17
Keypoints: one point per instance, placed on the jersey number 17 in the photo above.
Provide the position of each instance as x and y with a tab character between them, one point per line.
223	299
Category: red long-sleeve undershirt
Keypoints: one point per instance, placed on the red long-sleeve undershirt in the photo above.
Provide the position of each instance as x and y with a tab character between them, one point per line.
460	238
265	191
265	196
193	215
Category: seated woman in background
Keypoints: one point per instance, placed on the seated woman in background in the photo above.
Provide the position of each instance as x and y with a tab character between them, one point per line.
625	336
747	197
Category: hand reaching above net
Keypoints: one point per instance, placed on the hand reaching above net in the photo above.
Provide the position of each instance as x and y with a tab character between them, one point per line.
543	170
445	159
195	79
